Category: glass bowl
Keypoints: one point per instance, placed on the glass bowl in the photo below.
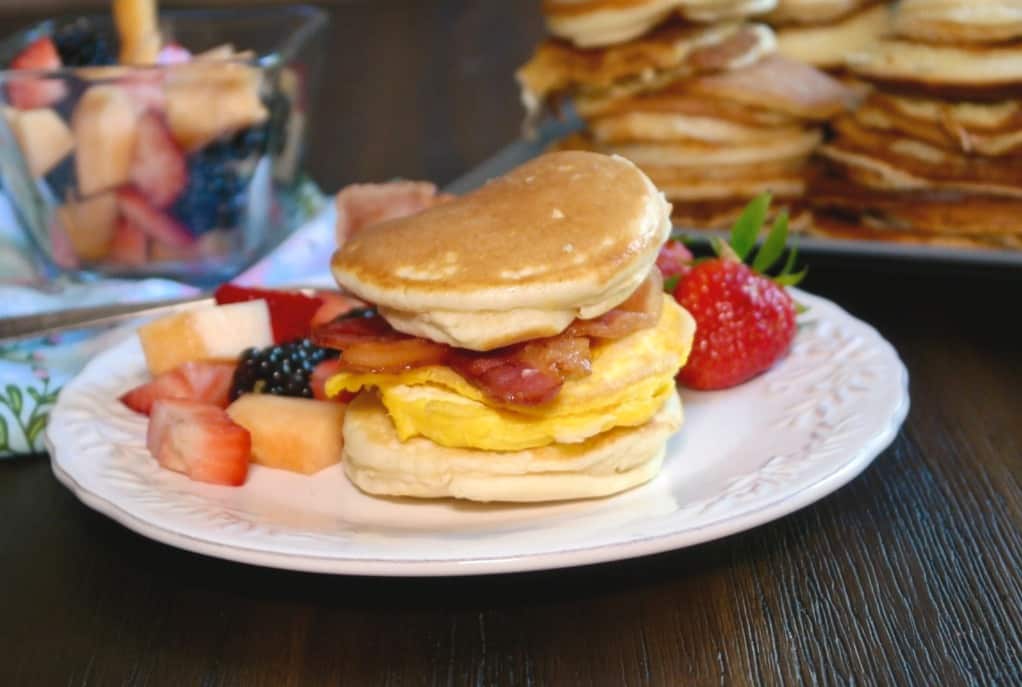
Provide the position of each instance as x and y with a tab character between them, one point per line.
189	170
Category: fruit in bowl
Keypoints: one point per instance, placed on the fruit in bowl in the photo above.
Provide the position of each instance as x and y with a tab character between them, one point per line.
186	144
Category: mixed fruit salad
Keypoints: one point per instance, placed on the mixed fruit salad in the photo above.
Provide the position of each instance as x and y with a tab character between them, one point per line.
243	381
149	153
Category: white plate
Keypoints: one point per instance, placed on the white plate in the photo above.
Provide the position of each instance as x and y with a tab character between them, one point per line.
744	457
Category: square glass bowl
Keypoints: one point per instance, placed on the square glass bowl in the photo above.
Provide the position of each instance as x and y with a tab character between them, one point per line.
189	170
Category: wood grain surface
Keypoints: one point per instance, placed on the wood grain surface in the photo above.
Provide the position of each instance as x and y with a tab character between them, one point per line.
910	575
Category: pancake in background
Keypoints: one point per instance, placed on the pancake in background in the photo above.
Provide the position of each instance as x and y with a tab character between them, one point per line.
699	155
828	226
779	84
993	72
710	11
665	126
959	21
644	65
814	11
721	215
936	212
597	23
826	46
930	166
946	132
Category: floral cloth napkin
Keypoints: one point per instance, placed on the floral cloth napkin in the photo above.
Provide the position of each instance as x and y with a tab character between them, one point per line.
32	372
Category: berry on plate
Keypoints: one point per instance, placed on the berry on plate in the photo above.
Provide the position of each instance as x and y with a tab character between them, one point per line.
205	382
199	440
291	312
674	261
28	92
283	370
745	320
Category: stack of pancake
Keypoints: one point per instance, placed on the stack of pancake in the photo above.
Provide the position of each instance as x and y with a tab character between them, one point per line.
934	154
709	111
823	32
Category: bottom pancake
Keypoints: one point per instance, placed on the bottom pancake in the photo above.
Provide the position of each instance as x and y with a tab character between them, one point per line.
377	462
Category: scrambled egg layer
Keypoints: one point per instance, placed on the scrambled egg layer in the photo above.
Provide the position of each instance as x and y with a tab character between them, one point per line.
631	380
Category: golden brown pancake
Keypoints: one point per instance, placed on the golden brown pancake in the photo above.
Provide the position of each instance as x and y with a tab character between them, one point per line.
777	83
947	132
829	226
814	11
566	235
959	21
710	11
647	64
721	215
939	212
673	99
826	46
637	127
920	164
597	23
986	71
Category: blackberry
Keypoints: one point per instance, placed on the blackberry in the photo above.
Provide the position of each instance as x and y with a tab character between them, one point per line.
81	45
281	370
215	195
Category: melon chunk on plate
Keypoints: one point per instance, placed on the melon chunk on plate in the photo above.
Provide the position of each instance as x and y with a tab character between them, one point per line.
216	332
296	434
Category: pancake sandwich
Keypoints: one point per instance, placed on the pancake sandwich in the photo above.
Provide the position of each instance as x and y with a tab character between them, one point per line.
934	153
519	346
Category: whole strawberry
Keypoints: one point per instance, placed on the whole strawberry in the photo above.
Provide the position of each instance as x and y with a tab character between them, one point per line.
745	320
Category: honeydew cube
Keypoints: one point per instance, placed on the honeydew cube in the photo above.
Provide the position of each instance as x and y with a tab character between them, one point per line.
217	332
43	137
296	434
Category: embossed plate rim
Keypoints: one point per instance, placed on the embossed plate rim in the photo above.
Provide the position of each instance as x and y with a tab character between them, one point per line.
209	543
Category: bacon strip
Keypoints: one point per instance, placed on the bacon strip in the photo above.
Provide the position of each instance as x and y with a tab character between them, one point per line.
362	205
529	373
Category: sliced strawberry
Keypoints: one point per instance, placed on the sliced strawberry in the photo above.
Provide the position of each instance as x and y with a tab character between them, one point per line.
334	305
205	382
27	93
158	166
128	246
319	377
168	385
173	53
199	440
156	224
291	312
210	382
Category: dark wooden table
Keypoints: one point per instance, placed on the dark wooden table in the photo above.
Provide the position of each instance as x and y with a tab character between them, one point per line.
909	575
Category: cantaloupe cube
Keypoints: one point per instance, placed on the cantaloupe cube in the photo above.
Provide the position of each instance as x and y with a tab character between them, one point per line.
297	434
217	332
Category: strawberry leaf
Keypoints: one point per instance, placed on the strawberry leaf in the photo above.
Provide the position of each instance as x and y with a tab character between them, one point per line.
720	247
789	264
792	279
671	283
772	249
746	228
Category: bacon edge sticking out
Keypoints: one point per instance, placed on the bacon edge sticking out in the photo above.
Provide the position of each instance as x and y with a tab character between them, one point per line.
362	205
529	373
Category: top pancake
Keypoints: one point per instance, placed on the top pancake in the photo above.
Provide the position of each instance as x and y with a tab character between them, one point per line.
959	21
567	235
